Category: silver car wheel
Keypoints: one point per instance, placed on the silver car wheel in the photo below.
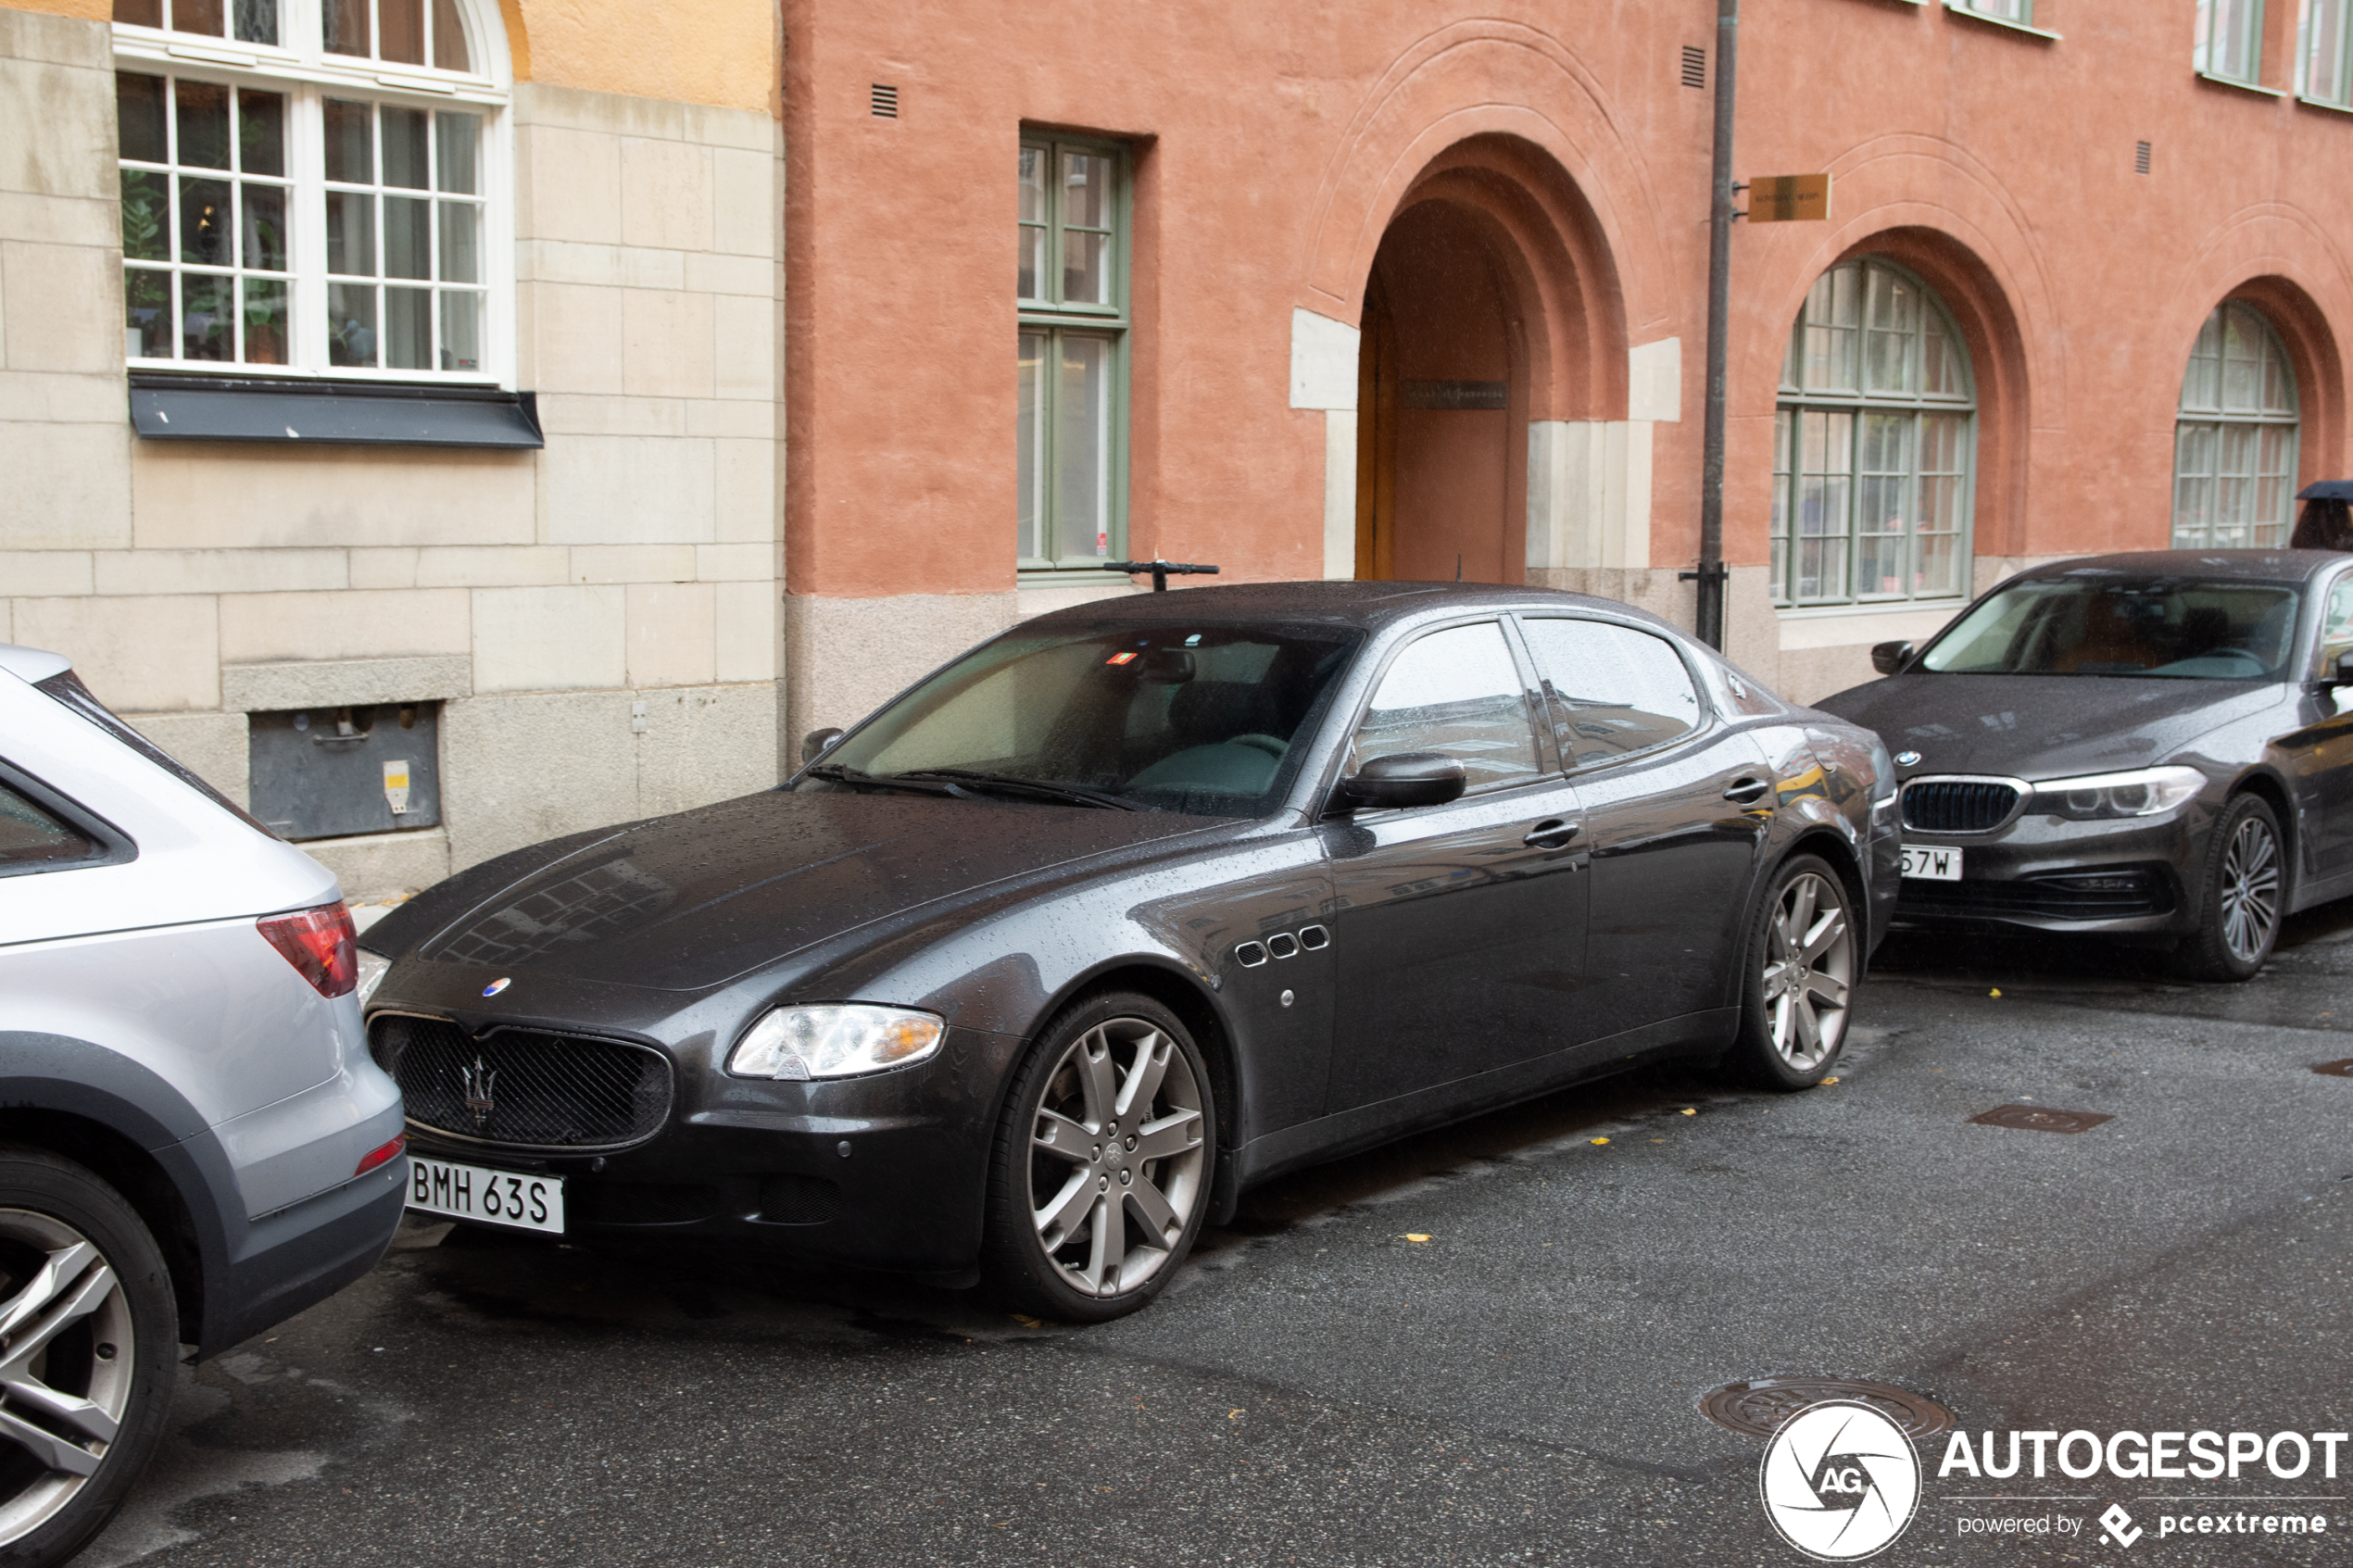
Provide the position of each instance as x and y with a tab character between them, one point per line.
1116	1158
1809	970
67	1360
2250	904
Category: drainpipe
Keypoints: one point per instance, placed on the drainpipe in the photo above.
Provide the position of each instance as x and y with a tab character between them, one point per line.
1712	573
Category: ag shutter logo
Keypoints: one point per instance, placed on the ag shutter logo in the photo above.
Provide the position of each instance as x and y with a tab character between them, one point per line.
1839	1481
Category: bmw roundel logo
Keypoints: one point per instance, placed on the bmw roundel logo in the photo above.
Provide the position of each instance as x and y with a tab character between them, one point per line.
498	985
1908	759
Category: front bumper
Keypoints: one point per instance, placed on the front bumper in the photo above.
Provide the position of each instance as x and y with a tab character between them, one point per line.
2127	877
885	1172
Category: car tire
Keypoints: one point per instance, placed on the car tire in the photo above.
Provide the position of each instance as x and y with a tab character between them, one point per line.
100	1330
1803	958
1086	1221
2242	893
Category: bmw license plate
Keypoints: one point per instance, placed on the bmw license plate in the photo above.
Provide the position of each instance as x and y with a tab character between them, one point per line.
1936	865
486	1197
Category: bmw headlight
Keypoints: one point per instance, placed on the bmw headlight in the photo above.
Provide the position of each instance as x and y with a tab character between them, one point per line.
840	1040
2102	796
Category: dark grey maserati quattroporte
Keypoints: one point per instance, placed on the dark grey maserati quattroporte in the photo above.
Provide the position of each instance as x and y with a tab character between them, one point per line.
2157	746
1032	972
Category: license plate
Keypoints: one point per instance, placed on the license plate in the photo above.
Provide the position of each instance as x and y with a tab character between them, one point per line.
486	1197
1936	865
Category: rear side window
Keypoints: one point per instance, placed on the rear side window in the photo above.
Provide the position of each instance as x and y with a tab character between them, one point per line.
66	687
1611	690
33	839
1456	692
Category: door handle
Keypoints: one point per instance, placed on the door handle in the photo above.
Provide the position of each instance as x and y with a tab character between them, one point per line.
1551	833
1745	789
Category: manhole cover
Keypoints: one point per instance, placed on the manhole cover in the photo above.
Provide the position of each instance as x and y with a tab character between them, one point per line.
1757	1408
2337	1069
2041	1118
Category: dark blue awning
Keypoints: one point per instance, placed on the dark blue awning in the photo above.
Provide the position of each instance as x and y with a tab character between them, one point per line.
364	414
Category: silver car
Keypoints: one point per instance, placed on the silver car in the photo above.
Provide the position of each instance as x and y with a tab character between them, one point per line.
195	1143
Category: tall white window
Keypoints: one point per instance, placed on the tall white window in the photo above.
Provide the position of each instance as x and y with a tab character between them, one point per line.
2235	442
2324	46
1874	442
1071	299
313	186
2230	39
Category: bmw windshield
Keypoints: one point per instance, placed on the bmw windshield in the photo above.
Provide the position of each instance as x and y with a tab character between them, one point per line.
1201	719
2104	623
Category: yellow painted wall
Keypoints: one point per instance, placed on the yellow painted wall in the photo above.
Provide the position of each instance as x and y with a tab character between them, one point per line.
719	52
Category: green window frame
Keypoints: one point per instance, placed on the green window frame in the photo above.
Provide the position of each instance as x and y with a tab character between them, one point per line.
2230	40
2325	49
2235	437
1874	445
1073	224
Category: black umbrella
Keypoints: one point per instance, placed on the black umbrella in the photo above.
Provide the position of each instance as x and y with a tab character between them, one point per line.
2327	489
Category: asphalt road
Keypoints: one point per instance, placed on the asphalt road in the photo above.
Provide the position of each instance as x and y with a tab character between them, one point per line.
1522	1388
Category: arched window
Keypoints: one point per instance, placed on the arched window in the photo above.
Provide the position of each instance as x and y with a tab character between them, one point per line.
314	186
1874	441
2235	442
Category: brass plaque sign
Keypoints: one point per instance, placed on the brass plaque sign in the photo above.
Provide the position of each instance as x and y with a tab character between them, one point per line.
1789	199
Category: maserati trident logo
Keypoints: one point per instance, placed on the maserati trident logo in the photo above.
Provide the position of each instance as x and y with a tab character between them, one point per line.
479	1082
497	985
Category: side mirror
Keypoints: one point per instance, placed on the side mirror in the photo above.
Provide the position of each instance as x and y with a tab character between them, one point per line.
816	743
1409	778
2342	675
1888	658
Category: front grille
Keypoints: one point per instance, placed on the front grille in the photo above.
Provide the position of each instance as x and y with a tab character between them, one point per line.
1959	805
2103	895
522	1087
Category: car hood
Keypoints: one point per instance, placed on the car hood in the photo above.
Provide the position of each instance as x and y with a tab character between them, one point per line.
2042	726
689	902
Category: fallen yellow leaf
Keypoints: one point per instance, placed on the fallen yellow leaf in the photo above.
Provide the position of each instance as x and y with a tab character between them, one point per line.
1689	1112
1028	1321
1230	1415
1828	1080
1994	992
1599	1140
1417	1236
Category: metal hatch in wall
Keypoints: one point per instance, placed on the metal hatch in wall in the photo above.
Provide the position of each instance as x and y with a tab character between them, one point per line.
336	773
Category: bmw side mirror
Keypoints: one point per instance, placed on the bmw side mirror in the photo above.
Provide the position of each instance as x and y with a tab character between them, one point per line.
1409	778
816	743
1888	658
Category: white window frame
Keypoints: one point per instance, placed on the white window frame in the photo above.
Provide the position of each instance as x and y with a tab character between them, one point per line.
1795	400
2318	54
2220	416
302	70
2248	16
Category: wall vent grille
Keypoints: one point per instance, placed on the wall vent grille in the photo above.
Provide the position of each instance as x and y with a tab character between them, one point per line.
2140	158
1694	65
886	101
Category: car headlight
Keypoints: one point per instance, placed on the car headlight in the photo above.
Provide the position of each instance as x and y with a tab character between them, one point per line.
371	973
836	1041
2143	792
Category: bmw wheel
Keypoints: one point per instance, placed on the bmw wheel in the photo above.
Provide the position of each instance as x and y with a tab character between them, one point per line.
88	1337
1803	961
1102	1169
2242	896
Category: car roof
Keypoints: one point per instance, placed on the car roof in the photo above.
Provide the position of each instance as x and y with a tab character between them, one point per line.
31	664
2251	566
1370	606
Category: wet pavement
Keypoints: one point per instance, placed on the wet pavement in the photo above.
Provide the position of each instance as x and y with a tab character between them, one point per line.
1319	1387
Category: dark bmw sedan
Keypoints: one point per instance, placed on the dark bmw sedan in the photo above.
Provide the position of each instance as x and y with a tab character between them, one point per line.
1032	972
2157	746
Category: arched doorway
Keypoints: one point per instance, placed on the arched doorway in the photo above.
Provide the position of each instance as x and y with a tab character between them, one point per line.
1442	400
1490	304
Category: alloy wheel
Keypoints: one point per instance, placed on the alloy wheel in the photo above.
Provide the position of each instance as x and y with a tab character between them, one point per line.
68	1357
2250	889
1809	970
1116	1157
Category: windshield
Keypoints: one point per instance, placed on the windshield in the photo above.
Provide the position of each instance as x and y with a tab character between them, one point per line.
1200	720
2110	624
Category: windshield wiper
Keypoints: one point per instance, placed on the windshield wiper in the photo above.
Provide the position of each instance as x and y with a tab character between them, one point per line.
836	772
1075	795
